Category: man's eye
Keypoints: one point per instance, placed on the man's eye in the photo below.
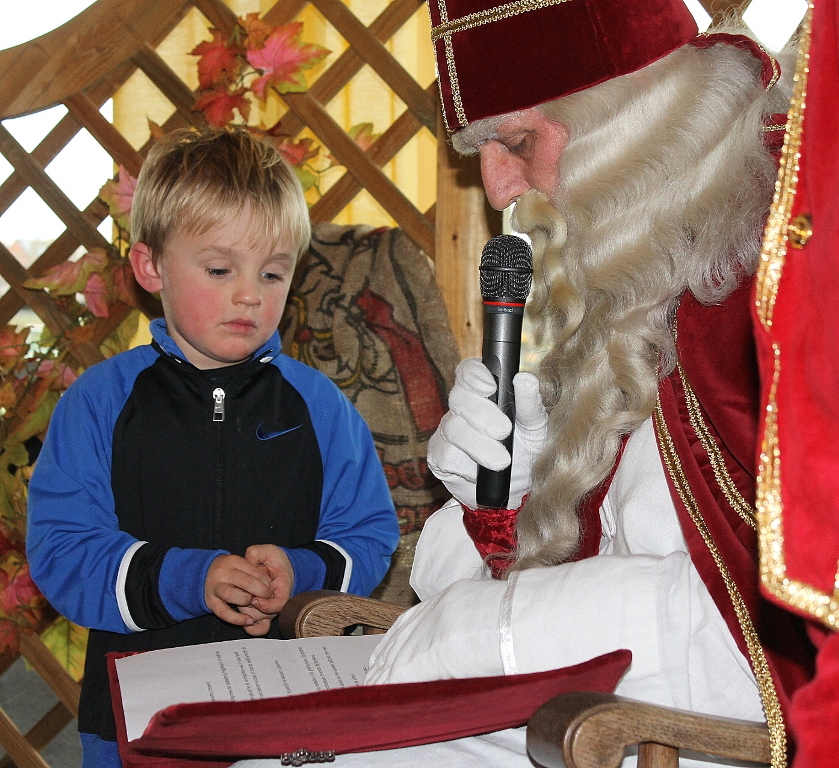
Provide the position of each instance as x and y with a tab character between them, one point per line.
519	147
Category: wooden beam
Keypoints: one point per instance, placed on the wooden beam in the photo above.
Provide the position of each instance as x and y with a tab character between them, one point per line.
464	222
84	109
44	71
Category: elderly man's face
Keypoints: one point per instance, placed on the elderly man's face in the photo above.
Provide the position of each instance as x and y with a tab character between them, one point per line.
523	154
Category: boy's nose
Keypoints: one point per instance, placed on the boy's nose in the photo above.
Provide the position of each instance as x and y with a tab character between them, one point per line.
501	174
247	293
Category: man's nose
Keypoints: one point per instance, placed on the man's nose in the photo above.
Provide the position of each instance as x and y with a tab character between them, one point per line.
502	175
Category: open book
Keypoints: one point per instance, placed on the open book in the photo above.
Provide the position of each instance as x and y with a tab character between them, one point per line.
209	705
237	670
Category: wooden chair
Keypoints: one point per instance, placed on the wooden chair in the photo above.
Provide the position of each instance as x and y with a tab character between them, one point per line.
577	730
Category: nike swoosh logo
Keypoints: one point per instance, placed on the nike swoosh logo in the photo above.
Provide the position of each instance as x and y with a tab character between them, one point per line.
263	435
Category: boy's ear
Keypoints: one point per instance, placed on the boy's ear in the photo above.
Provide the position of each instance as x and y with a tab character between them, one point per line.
144	268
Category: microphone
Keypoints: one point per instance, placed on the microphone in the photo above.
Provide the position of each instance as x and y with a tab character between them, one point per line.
506	271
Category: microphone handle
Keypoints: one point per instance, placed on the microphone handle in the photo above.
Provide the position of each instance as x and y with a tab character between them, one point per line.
501	354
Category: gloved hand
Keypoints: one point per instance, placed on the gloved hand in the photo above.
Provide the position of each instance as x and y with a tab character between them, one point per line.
471	432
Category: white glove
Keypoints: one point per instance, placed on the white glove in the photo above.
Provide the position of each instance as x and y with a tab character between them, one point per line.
471	433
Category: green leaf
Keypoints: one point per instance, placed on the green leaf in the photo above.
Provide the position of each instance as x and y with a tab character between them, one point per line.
67	642
307	178
15	453
37	420
120	339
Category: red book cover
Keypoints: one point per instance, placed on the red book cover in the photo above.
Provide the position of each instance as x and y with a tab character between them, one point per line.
360	719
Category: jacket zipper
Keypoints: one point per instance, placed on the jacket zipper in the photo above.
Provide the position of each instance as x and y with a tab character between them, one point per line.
218	408
218	417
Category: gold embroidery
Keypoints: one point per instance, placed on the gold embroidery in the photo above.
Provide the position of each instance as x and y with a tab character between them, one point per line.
773	569
456	99
776	70
800	230
773	251
505	11
768	695
726	484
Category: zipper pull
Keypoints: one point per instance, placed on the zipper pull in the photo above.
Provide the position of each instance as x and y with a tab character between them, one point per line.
218	409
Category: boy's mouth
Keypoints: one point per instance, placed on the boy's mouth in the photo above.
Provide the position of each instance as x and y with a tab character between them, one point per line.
240	324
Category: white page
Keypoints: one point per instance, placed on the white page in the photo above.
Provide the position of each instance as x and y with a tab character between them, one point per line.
238	670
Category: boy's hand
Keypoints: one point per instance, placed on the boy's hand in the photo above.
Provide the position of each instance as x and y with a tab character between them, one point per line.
232	580
278	567
261	621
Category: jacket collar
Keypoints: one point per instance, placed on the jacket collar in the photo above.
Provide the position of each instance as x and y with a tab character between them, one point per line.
265	354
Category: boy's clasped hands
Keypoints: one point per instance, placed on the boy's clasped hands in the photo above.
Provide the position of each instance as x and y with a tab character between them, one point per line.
249	591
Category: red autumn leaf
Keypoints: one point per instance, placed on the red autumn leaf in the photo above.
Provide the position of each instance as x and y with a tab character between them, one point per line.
218	106
122	281
283	60
298	152
8	394
70	277
155	131
62	376
82	333
13	343
219	62
20	599
96	295
118	195
256	30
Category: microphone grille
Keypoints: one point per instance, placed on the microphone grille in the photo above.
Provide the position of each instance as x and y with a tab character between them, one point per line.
506	269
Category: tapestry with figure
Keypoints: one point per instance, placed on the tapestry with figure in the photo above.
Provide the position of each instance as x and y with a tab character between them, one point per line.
365	309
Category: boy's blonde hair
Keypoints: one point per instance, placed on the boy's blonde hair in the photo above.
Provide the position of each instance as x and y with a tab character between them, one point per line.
194	180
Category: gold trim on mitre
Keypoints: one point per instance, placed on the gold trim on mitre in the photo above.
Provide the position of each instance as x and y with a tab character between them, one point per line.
499	12
773	570
449	27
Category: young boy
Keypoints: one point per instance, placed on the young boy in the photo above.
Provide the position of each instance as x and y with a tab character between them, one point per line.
188	487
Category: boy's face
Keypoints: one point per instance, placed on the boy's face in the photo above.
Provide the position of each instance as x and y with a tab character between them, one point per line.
223	296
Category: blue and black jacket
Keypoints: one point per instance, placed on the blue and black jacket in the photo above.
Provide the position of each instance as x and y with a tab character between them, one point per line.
151	468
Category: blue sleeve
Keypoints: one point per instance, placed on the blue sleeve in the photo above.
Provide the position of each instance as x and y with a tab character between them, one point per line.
357	516
76	550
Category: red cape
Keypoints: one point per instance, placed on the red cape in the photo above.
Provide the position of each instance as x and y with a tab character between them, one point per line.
797	331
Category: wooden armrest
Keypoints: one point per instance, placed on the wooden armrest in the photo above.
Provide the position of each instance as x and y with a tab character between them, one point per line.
327	612
592	730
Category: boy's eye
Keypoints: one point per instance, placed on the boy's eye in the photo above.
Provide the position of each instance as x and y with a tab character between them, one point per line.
217	272
271	276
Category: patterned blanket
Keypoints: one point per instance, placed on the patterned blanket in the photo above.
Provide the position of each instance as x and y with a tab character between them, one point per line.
365	309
